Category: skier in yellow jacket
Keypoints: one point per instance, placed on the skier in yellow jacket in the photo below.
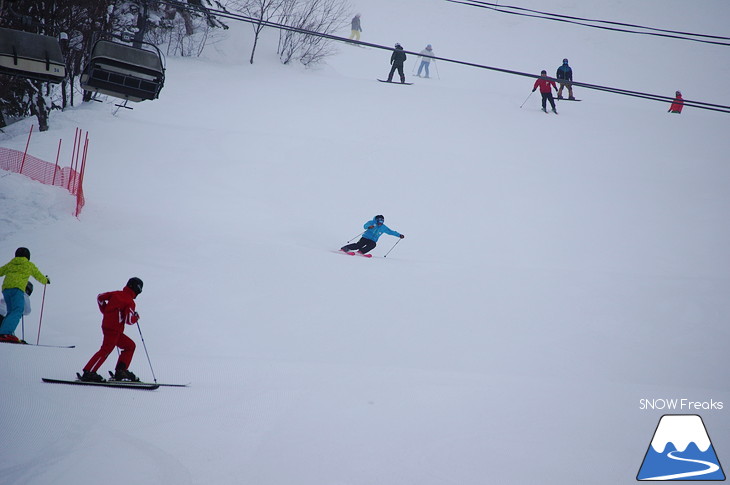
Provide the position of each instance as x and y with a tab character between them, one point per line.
16	273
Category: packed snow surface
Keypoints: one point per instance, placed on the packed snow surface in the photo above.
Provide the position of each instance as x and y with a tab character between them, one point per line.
556	270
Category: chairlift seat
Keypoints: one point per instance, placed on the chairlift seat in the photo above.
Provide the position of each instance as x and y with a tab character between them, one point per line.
32	56
123	71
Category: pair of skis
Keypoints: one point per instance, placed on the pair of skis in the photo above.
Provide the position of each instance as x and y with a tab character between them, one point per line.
39	345
149	386
354	253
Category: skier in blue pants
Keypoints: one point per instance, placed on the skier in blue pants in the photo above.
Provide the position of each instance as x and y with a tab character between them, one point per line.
373	230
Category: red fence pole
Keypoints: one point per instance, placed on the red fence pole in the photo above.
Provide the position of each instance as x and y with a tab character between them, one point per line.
26	149
77	142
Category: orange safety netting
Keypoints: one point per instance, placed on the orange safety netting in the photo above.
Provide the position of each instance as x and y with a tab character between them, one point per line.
48	173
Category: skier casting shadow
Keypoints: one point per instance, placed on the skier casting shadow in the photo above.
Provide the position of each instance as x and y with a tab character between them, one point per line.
373	230
397	59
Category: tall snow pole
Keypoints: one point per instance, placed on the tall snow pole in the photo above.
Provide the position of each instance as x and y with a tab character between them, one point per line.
40	319
145	351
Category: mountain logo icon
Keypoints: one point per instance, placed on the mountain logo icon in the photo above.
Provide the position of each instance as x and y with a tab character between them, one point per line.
680	450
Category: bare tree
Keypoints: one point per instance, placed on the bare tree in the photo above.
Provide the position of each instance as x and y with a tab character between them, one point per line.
263	11
321	16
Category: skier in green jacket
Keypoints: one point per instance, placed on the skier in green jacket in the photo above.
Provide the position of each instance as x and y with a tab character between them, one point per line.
16	273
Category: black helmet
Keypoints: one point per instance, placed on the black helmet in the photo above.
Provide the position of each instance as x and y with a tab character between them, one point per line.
29	288
135	284
543	72
565	61
379	219
678	93
22	253
398	46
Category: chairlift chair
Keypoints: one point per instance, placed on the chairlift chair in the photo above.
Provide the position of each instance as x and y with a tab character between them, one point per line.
32	56
123	71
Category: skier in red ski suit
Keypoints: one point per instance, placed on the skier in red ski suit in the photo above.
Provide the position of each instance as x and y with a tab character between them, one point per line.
544	83
677	104
118	308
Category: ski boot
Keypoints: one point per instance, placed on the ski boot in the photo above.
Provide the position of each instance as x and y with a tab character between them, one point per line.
554	111
125	375
544	110
90	376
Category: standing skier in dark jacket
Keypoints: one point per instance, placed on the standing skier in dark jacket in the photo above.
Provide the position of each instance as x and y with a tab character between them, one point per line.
564	75
396	60
373	230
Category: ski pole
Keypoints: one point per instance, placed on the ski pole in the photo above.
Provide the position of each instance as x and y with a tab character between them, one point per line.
40	319
394	245
528	97
145	351
437	70
22	328
356	237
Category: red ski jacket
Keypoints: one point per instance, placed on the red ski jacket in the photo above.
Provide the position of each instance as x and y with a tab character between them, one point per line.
677	105
118	308
544	85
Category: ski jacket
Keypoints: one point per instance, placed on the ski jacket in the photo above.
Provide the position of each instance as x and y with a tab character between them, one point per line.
356	24
17	272
677	105
377	231
544	85
398	56
118	308
426	55
564	73
4	308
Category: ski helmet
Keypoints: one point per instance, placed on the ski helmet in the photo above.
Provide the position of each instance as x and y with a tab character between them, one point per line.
29	288
135	284
543	72
379	219
678	93
398	46
429	47
22	253
565	61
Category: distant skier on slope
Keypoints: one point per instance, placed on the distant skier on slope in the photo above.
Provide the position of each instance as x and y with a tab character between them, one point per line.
564	76
397	59
426	59
118	308
373	230
544	83
677	104
16	272
356	28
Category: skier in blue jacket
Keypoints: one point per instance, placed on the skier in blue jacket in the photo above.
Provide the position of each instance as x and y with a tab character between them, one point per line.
373	230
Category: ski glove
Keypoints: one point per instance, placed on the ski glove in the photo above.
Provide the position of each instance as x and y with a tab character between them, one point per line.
48	279
402	236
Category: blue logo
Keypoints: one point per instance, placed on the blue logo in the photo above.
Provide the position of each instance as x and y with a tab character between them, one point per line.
680	450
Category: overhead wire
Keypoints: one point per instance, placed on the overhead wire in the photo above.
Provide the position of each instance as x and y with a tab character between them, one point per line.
276	25
580	21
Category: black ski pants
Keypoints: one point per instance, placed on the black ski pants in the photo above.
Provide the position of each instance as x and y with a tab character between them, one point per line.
547	97
364	245
399	66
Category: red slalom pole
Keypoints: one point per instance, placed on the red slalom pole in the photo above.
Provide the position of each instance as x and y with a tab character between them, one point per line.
40	320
